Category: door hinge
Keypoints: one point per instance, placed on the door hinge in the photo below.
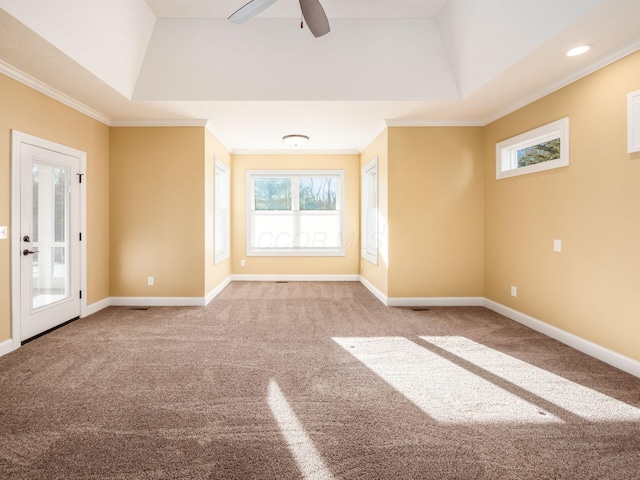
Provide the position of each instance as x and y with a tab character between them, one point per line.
80	175
80	294
80	235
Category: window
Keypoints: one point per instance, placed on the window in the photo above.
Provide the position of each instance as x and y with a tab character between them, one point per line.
633	122
222	211
540	149
295	212
369	218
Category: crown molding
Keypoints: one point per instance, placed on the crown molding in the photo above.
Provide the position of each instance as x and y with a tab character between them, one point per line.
50	92
184	122
212	130
295	152
433	123
381	128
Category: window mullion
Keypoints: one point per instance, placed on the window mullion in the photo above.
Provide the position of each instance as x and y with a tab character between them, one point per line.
295	193
295	207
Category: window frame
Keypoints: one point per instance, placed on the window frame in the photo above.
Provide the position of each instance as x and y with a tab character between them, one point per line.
368	251
295	251
507	150
633	122
221	168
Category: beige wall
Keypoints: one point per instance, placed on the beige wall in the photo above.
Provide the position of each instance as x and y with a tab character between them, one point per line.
378	275
214	274
435	212
157	211
591	288
347	265
454	230
31	112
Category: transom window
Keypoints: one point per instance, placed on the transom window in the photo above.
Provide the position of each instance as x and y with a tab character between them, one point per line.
295	212
540	149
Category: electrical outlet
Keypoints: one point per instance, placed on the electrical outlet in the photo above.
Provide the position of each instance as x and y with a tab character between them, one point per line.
242	264
150	281
3	232
514	291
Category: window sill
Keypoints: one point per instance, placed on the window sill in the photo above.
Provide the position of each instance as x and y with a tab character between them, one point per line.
373	259
281	252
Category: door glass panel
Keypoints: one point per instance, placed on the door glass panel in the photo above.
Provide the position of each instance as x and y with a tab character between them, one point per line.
50	239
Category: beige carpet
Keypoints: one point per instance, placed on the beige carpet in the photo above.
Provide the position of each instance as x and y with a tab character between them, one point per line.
311	380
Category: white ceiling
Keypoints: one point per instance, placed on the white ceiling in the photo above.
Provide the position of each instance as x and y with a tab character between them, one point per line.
291	9
385	62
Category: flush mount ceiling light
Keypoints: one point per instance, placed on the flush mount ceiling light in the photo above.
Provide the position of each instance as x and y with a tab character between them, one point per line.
578	50
295	140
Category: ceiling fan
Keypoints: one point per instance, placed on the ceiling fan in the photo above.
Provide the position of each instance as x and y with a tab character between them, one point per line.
312	12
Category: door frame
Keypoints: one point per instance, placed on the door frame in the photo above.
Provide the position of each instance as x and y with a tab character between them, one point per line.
18	138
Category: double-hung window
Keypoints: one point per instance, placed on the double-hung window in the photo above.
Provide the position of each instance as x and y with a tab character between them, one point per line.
295	212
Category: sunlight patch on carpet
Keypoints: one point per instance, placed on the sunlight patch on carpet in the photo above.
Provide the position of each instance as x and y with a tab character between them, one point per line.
573	397
444	390
309	461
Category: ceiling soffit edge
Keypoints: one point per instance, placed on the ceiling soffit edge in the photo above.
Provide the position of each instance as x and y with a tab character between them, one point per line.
590	68
598	64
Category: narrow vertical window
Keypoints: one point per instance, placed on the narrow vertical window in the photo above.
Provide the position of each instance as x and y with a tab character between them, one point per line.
370	235
222	212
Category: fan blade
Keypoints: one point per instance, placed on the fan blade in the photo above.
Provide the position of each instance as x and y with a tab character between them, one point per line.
315	17
250	10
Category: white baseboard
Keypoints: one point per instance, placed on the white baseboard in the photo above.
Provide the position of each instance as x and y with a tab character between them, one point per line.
295	278
95	307
6	347
376	293
435	302
216	291
201	302
615	359
158	301
422	301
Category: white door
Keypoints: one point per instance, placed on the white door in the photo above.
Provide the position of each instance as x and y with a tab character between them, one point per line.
49	239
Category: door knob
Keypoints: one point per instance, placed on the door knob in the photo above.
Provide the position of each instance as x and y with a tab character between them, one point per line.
26	252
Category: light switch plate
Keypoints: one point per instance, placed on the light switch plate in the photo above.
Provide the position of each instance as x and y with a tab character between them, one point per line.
557	245
3	232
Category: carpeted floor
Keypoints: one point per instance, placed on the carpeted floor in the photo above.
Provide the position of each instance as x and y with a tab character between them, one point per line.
311	380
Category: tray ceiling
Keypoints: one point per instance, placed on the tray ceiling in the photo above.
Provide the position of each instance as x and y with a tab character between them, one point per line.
385	62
